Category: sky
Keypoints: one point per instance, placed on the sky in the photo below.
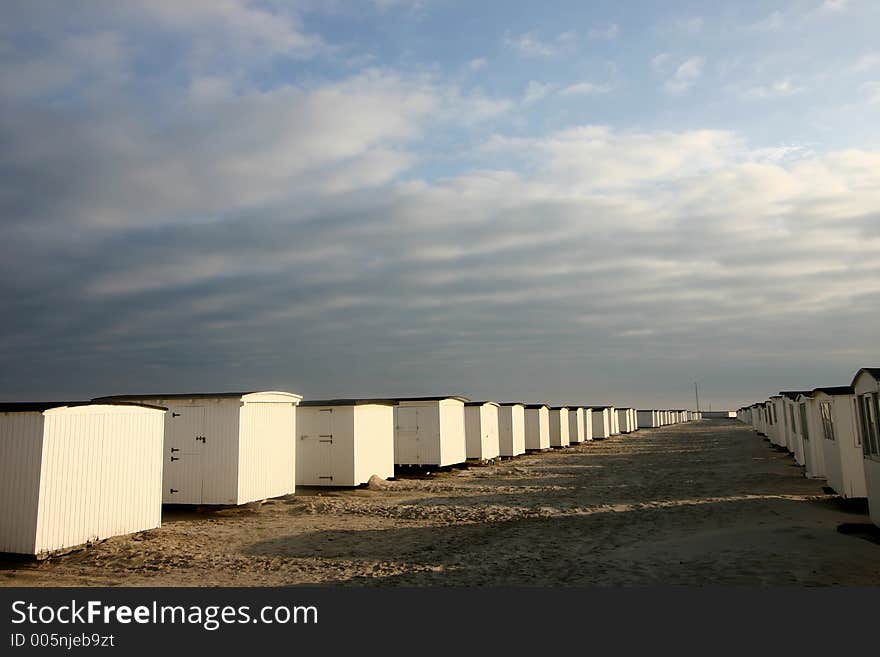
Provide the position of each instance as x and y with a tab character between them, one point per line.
572	202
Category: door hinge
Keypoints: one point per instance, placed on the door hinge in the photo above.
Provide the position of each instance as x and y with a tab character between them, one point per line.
175	449
173	414
325	478
174	490
174	458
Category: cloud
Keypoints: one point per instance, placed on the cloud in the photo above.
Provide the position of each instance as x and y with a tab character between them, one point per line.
771	23
585	89
536	91
411	5
596	158
85	59
681	76
871	91
834	5
779	89
608	33
530	44
690	25
341	292
867	62
477	64
661	61
219	153
827	9
222	25
101	47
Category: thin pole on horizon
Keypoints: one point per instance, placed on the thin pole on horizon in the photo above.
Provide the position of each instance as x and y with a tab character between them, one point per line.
697	393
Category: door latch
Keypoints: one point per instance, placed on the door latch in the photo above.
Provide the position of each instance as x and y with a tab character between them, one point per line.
202	438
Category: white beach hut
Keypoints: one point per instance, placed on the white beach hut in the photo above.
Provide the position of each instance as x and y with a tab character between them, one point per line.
766	419
769	427
601	422
576	426
344	442
762	419
756	413
621	419
778	432
624	420
588	423
537	427
633	419
481	430
429	431
511	429
837	421
814	450
74	472
559	435
866	387
795	441
226	447
614	420
648	419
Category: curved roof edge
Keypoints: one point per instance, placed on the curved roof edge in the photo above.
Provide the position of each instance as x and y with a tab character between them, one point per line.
436	398
835	390
272	395
873	371
60	406
348	402
250	395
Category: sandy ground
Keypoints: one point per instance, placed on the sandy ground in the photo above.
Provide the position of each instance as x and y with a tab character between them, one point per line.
699	504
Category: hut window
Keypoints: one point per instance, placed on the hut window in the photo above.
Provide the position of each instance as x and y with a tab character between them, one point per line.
868	422
875	425
827	422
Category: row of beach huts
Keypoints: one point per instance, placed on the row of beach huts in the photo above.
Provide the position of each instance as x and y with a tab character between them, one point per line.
834	432
75	472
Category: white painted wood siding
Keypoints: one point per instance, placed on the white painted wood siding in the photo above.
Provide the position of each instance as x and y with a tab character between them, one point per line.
511	430
559	427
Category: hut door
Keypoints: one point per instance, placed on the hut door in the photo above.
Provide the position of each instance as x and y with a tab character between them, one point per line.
184	445
325	446
407	438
